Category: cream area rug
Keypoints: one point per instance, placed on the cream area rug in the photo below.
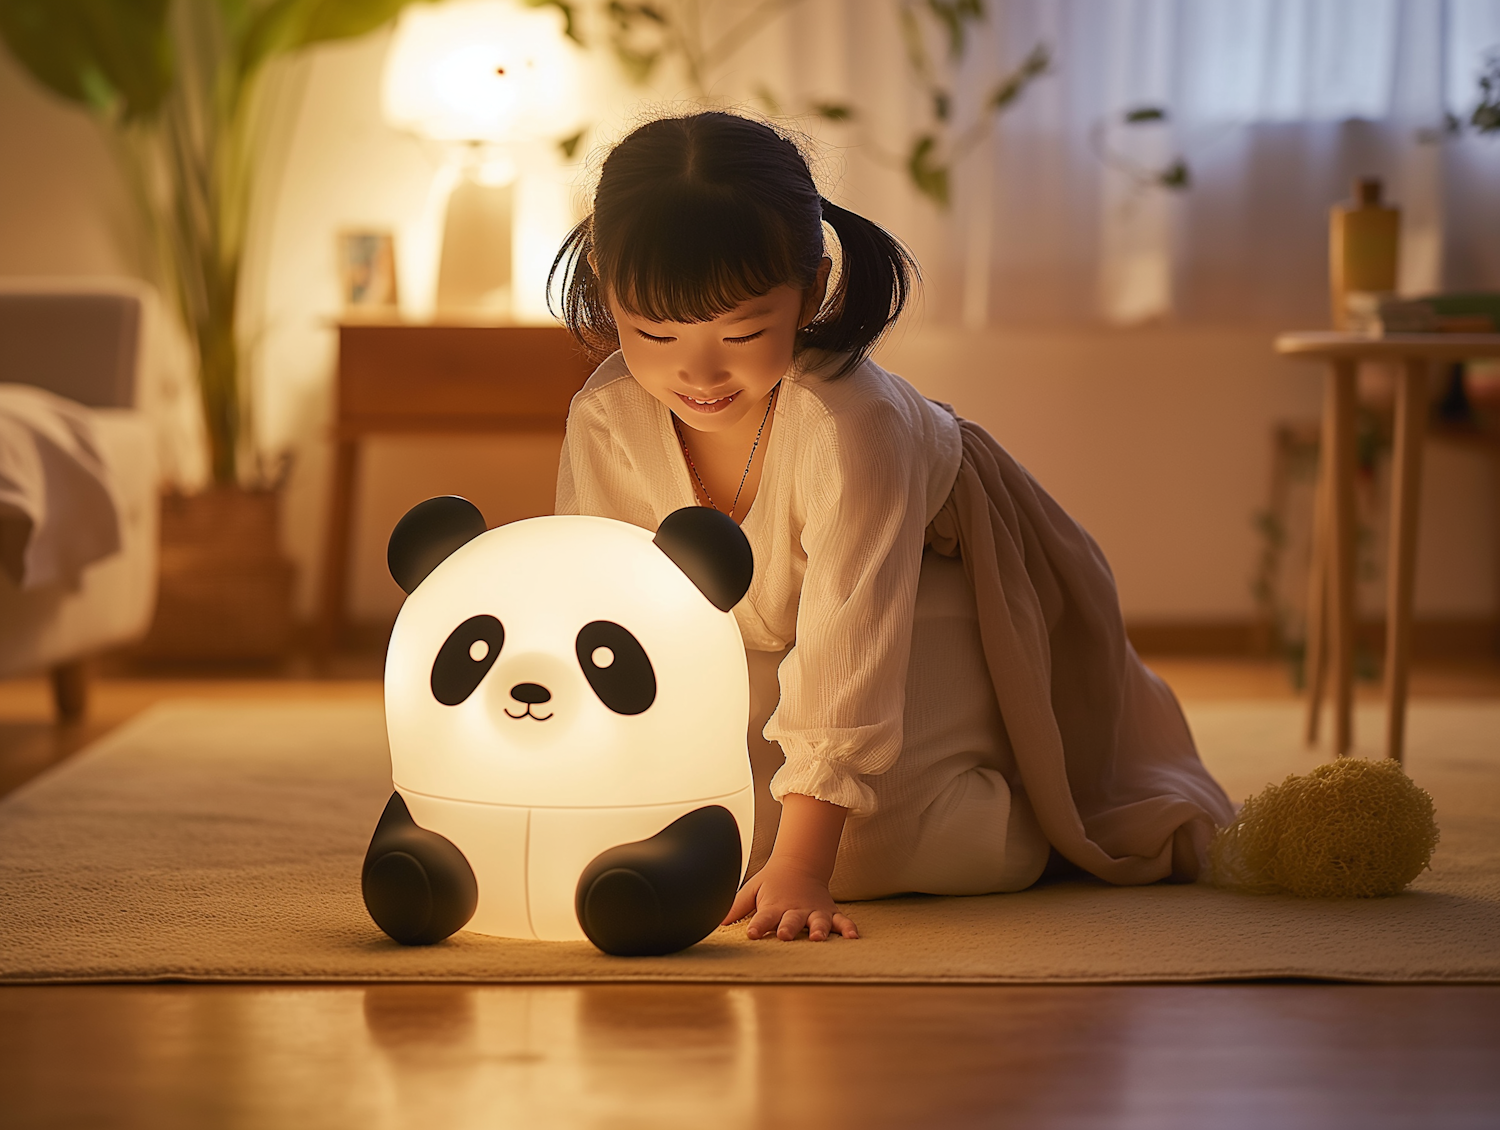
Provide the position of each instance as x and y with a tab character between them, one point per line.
218	842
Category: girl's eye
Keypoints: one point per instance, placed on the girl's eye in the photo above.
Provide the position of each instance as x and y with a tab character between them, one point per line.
746	338
654	338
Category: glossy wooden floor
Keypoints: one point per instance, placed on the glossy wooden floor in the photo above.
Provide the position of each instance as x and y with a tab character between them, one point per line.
1148	1057
1252	1056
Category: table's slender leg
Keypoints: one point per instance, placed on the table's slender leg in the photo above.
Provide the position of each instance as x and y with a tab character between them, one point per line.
1315	653
1339	464
1401	565
336	547
1492	441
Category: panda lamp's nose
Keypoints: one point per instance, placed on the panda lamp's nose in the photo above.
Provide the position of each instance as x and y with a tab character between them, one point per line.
530	693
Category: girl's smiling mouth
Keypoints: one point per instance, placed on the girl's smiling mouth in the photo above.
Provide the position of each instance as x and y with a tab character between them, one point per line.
714	404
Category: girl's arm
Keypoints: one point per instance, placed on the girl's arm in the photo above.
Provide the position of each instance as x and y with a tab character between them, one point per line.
791	891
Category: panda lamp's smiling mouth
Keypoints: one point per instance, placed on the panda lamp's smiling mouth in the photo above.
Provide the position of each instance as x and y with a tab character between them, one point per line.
528	714
530	694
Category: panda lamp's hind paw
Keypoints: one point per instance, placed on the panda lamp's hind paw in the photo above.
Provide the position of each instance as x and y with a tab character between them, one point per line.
418	887
663	894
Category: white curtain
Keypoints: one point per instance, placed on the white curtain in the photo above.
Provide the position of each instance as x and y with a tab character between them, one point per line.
1274	106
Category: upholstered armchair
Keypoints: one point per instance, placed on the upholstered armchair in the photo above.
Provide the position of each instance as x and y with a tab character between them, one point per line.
81	343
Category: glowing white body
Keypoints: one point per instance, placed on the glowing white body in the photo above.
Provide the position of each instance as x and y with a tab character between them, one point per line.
531	802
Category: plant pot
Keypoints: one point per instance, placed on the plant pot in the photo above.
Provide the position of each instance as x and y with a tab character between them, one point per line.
226	589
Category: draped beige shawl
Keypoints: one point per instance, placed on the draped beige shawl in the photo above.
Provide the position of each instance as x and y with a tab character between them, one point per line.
1104	753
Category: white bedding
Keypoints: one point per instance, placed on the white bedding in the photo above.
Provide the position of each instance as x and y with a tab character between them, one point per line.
58	511
83	589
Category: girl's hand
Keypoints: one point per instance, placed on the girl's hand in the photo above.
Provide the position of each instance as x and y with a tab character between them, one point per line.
791	891
784	900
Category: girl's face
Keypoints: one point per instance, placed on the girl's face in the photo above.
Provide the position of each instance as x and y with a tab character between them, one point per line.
715	374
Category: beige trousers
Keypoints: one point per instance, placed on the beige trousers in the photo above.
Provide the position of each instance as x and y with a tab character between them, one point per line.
952	817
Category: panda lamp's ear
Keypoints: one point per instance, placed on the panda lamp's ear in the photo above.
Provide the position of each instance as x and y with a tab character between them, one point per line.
709	547
427	534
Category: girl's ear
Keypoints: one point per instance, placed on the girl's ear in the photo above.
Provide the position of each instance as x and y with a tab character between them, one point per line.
813	296
711	549
427	534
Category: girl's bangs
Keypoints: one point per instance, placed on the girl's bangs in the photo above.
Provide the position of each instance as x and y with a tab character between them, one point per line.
689	265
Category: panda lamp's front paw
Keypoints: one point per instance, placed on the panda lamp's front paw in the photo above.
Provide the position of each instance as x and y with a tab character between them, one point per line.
662	894
418	887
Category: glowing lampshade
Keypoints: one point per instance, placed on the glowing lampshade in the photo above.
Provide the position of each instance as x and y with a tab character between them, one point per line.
502	84
557	691
482	70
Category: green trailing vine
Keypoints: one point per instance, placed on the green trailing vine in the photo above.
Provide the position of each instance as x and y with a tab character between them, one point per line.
1486	115
644	35
1295	465
935	151
1175	176
1484	119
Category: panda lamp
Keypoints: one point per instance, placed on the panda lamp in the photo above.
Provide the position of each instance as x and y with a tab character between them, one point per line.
566	700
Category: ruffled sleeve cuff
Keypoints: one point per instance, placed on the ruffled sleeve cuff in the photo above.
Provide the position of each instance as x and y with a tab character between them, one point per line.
826	781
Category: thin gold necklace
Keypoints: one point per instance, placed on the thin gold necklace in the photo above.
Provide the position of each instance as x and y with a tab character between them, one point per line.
693	467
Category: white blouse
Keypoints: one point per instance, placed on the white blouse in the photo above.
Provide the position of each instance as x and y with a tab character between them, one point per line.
855	468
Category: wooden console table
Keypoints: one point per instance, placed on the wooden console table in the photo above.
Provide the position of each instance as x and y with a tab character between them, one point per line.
1331	612
411	378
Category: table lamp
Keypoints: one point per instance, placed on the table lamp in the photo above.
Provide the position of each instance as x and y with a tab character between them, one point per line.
566	701
497	83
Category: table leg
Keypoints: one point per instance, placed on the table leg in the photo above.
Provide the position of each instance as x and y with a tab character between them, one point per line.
1339	465
1315	653
331	594
1493	443
1406	485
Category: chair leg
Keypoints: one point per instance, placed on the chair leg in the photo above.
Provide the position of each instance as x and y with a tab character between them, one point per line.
70	690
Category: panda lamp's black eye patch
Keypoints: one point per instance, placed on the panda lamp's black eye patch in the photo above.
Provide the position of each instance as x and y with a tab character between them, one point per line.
617	667
466	658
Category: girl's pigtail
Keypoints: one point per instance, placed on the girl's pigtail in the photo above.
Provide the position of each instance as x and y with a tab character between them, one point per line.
584	309
875	282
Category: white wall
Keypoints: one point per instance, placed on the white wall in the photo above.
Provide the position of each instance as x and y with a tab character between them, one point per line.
344	168
61	205
1158	440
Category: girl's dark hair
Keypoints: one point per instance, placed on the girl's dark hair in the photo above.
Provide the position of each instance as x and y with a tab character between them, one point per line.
694	215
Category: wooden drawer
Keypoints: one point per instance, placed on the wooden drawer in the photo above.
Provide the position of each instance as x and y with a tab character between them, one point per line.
396	377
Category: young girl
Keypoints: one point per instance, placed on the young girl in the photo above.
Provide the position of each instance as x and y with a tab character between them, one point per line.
957	697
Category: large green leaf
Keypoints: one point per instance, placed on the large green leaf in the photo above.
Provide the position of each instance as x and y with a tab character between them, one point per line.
285	25
344	19
114	56
275	28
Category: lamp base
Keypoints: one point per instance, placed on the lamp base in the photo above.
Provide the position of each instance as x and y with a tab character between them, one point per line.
474	272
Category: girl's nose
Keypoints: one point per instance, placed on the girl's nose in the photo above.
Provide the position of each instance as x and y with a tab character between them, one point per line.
705	375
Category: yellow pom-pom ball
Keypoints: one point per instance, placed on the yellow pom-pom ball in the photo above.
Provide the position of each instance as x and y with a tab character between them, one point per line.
1350	829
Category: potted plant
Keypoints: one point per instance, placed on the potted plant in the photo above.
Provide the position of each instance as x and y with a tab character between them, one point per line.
179	89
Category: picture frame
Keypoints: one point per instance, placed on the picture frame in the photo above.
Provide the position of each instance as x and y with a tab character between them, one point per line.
367	270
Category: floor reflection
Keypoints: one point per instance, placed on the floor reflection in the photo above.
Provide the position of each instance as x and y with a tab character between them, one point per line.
389	1057
564	1056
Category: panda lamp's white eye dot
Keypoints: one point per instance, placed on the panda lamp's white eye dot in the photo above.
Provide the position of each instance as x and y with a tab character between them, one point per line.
479	650
602	657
